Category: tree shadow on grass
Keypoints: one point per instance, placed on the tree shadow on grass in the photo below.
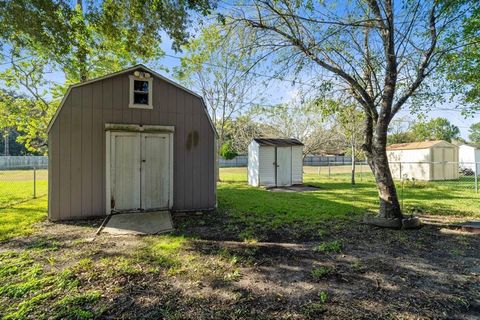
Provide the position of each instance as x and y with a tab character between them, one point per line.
378	273
372	278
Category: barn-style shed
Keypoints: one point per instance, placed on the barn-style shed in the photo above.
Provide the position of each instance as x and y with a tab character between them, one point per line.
426	160
130	141
275	162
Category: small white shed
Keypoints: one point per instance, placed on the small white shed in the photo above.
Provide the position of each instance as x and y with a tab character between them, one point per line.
275	162
426	160
469	158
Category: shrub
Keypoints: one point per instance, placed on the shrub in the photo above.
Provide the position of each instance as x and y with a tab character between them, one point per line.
227	151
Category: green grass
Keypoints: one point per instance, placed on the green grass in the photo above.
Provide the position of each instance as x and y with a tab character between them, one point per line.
334	246
257	208
20	219
337	198
34	285
17	186
26	285
174	254
321	272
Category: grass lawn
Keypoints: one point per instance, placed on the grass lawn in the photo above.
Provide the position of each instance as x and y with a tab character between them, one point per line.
17	186
335	199
263	255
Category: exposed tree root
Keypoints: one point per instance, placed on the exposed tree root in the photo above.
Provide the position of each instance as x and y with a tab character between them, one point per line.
395	223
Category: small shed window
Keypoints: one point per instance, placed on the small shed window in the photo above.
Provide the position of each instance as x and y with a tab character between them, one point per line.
141	91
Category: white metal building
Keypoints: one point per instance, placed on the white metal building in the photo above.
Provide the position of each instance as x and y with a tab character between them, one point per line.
426	160
469	157
275	162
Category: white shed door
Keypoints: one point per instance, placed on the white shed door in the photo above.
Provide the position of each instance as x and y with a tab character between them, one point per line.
125	170
451	166
284	166
155	171
139	171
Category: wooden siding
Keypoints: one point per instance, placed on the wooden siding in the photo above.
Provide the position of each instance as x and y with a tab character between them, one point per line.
77	146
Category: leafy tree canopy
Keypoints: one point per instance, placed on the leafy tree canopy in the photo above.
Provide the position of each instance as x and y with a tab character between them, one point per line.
83	41
474	131
227	151
462	64
435	129
95	37
218	64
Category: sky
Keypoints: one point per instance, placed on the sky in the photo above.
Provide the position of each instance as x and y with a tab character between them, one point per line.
283	91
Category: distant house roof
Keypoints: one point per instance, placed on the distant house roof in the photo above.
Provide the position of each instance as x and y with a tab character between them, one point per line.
275	142
414	145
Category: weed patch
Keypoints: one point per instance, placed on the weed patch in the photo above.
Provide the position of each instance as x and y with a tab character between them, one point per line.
321	272
334	246
25	285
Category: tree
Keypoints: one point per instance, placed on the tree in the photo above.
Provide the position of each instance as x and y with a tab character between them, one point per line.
301	120
243	129
10	144
350	122
82	41
377	52
95	37
474	133
28	114
227	151
435	129
462	65
219	68
398	132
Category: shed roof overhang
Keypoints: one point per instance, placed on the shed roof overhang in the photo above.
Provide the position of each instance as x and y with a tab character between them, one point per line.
278	142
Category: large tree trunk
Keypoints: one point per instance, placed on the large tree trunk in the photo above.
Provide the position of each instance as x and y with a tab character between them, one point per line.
387	193
81	53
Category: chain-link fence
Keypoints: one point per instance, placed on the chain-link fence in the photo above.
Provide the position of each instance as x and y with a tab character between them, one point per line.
422	187
22	183
458	174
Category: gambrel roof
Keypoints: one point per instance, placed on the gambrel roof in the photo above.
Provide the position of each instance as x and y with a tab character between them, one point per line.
129	70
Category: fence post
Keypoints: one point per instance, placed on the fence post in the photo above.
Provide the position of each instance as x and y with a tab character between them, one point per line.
34	183
328	159
361	171
476	177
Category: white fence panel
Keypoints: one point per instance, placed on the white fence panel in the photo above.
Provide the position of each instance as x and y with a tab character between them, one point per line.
17	162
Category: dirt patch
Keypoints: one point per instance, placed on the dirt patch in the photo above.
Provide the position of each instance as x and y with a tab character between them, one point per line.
351	272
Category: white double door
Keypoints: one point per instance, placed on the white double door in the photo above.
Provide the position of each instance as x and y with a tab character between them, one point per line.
139	171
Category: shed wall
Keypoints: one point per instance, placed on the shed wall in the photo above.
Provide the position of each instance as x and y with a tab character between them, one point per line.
77	146
253	164
469	156
439	162
266	166
445	162
297	164
410	164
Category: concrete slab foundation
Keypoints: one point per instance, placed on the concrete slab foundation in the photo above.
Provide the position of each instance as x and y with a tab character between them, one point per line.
139	223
